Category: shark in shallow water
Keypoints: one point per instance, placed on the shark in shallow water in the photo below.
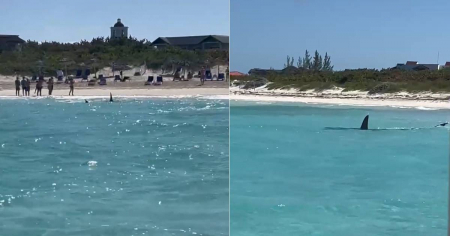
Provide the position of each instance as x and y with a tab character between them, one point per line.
365	126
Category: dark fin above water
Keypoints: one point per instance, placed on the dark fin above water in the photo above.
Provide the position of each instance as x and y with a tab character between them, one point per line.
442	124
86	101
110	97
365	123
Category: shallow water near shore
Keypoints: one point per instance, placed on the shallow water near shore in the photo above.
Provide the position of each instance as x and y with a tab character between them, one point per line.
292	176
133	167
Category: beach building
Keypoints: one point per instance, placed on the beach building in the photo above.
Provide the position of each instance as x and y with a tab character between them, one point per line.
10	42
119	30
265	72
414	65
236	73
204	42
447	64
262	72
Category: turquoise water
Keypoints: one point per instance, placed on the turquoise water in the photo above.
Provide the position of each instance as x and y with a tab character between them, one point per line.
162	167
290	176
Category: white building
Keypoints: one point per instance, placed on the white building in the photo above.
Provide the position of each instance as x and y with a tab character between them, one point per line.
119	30
414	65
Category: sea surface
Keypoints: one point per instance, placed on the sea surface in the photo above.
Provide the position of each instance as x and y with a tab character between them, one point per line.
133	167
291	175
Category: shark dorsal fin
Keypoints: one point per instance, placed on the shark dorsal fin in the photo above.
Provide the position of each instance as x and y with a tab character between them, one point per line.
110	97
365	123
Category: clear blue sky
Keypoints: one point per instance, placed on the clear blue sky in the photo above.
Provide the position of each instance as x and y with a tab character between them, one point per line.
73	20
355	33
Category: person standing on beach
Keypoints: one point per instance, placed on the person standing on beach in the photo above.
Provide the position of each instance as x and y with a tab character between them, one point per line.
17	82
71	82
50	86
227	73
28	86
39	85
35	89
202	75
24	86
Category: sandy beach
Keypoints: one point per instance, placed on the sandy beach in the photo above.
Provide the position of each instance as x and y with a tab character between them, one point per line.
135	87
424	101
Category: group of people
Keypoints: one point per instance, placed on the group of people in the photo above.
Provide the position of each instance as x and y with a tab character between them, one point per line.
25	84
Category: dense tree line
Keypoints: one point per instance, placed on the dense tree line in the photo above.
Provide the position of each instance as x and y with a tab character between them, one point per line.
374	81
316	63
45	58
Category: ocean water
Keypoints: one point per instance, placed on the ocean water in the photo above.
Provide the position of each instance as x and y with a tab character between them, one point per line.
133	167
291	176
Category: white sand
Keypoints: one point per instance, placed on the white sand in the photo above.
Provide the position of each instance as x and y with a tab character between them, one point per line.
131	92
107	71
419	104
424	101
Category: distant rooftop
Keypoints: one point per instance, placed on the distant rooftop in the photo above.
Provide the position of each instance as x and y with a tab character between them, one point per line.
236	73
411	63
11	38
191	40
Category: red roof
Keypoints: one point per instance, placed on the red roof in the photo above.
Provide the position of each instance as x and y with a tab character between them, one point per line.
411	63
236	73
447	63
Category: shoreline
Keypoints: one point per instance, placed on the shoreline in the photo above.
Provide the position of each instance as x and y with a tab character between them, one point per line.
422	101
221	93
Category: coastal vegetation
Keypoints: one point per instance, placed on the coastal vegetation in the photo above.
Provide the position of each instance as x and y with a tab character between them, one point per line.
314	73
45	58
316	63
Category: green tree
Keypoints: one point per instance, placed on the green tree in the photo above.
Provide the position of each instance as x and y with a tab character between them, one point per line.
327	63
128	51
289	62
300	62
307	64
317	62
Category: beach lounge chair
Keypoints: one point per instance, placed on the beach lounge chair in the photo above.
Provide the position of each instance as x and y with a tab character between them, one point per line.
159	80
117	77
60	80
102	81
189	77
176	77
149	80
208	75
79	73
221	77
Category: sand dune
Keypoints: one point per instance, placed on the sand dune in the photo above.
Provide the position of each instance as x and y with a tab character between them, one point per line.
424	101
